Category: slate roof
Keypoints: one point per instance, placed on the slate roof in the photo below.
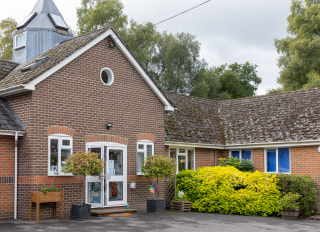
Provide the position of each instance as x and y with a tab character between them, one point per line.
285	117
8	118
6	67
55	56
194	120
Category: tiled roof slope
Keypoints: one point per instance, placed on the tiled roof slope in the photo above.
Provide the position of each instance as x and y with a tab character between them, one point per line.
292	116
8	118
56	55
6	67
194	120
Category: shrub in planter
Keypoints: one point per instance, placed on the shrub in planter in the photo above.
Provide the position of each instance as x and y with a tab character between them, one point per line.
86	164
290	206
157	167
230	191
304	186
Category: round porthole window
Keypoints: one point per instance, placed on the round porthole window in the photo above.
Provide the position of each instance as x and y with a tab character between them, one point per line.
106	76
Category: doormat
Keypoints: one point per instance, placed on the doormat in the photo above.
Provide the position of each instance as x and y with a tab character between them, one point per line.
119	215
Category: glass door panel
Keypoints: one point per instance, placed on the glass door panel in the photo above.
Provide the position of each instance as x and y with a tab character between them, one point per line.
181	162
94	191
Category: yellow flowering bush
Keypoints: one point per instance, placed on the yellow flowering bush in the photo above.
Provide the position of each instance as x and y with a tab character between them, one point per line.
229	191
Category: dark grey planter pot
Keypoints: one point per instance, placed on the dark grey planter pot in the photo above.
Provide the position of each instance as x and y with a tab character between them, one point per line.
80	212
289	214
155	206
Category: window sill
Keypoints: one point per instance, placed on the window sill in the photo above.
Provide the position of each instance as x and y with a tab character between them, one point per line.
60	174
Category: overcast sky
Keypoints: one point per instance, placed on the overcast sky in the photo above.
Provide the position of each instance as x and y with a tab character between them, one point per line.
229	30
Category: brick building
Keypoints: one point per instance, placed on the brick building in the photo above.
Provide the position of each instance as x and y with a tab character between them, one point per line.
90	93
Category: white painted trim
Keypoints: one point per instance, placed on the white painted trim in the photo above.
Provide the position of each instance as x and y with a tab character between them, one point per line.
15	175
125	51
247	146
11	133
184	154
240	153
108	70
144	151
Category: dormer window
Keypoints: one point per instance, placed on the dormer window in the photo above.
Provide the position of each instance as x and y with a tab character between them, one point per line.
20	41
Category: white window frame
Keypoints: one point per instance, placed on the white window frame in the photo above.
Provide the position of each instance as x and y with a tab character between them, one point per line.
59	137
240	153
186	154
277	160
15	40
144	150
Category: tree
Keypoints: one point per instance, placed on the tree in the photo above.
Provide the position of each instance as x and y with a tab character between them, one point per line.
300	51
176	62
95	14
227	82
7	27
142	40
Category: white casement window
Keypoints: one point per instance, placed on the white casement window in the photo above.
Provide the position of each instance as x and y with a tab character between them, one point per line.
184	157
277	160
241	154
20	41
59	148
145	148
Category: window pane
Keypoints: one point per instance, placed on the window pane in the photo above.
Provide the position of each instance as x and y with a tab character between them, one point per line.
115	162
65	142
191	160
271	161
149	150
64	156
235	154
140	146
140	161
54	155
115	191
96	150
182	151
284	160
94	189
246	154
181	162
20	40
173	154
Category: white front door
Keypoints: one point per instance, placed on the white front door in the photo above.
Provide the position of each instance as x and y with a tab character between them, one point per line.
111	189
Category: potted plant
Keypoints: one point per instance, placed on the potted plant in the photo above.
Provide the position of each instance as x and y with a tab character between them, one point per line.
156	168
290	206
180	202
83	163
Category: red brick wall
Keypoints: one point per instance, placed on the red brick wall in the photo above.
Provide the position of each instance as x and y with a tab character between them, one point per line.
6	177
205	157
75	97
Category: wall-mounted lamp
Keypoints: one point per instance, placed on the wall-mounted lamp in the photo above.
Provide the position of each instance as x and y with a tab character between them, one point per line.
108	125
133	185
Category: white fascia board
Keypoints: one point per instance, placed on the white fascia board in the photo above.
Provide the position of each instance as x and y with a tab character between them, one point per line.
246	146
12	90
11	133
57	67
140	70
181	144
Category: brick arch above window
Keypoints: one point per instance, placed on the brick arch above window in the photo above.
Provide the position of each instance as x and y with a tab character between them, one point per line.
145	136
106	138
60	130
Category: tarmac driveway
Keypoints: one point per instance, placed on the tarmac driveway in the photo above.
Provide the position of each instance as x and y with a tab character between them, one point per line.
168	222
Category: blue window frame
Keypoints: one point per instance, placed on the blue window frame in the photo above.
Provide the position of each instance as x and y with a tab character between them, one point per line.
278	160
241	154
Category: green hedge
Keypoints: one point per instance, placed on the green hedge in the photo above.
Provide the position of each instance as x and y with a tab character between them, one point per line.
229	191
302	185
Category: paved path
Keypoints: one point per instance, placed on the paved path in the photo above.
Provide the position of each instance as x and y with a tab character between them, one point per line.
168	222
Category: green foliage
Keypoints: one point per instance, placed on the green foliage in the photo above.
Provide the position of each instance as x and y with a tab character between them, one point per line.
229	191
84	163
302	185
50	188
7	27
158	167
176	61
290	201
299	52
275	91
96	14
242	165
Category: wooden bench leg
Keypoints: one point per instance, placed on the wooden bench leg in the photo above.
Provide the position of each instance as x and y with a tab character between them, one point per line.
38	212
55	210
